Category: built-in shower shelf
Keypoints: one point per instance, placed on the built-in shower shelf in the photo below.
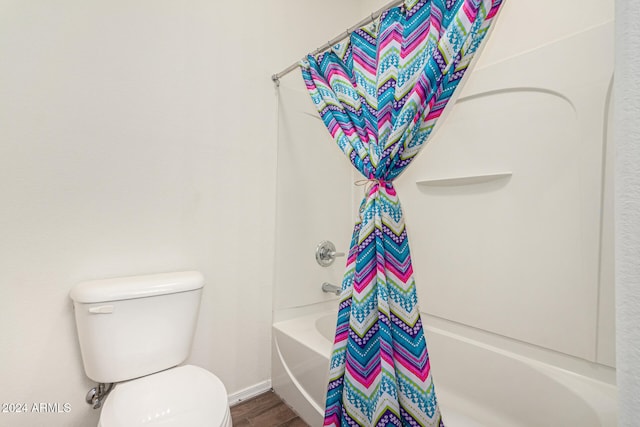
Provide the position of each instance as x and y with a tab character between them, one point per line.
464	180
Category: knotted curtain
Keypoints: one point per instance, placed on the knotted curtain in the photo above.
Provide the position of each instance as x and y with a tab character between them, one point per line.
380	94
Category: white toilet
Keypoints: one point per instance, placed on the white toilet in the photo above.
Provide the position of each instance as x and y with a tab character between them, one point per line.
135	331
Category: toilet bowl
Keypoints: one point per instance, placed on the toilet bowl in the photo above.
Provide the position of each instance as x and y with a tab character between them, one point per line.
136	332
178	397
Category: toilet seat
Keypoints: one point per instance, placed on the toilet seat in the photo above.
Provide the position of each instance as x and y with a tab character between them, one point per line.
186	396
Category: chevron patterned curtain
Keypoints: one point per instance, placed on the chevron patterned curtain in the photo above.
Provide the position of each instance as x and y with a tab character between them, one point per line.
380	95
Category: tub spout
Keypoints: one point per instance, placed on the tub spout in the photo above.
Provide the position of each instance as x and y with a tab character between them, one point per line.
329	288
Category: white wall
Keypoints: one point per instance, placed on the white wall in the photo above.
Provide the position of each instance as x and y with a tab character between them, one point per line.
138	137
313	184
313	198
627	205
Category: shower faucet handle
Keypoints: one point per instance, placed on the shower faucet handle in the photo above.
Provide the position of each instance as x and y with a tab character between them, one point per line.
326	253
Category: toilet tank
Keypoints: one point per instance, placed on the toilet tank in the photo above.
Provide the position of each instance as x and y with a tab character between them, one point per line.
134	326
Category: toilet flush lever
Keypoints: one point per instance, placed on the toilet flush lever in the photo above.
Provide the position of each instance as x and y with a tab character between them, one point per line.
103	309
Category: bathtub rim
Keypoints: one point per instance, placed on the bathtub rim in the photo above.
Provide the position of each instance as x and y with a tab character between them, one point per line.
588	388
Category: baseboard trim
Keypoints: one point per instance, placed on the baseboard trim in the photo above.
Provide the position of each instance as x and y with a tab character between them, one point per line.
249	392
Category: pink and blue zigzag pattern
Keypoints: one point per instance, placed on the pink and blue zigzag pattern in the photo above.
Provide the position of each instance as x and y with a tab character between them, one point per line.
380	95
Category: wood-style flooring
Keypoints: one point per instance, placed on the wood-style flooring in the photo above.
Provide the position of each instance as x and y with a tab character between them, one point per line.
265	410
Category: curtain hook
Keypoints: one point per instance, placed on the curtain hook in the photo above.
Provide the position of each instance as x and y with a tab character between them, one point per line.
374	25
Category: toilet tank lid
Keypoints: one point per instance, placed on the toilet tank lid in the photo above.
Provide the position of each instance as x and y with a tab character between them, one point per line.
124	288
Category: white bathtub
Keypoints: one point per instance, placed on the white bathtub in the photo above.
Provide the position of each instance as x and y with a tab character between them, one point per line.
476	384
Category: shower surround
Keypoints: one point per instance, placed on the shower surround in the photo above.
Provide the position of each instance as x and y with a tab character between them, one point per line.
511	230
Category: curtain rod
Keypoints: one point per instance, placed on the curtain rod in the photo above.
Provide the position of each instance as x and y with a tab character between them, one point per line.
375	15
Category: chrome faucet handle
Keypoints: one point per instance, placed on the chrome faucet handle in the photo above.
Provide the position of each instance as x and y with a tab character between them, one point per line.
335	254
326	253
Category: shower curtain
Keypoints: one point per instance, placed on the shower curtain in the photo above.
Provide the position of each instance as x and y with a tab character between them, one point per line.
380	94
